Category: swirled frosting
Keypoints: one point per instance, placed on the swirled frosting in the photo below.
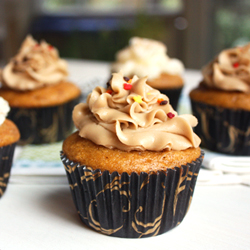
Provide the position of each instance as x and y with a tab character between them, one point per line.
230	70
146	57
4	109
133	116
35	65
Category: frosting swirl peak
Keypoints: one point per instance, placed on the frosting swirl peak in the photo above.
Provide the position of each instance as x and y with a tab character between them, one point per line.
35	65
230	70
130	115
146	57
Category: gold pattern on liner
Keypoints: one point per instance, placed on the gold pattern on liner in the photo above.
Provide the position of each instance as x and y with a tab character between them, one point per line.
179	189
73	186
96	225
69	169
31	114
5	158
115	185
234	133
50	134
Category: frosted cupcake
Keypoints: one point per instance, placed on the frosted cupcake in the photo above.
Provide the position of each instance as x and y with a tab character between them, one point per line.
41	98
147	57
9	135
221	102
133	163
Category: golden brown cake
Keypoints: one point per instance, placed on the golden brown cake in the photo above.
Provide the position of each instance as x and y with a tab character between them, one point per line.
47	96
9	135
147	57
41	98
133	158
85	152
221	102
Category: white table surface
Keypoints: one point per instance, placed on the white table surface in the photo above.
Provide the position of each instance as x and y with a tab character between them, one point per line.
43	216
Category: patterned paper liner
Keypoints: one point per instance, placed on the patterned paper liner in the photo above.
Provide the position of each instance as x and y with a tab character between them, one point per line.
132	206
44	125
222	130
6	157
173	95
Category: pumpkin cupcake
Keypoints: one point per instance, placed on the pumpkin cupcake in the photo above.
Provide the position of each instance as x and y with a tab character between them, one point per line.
147	57
221	103
41	98
133	163
9	135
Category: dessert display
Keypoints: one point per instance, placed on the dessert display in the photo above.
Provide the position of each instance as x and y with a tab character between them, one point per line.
132	165
147	57
9	135
221	103
41	98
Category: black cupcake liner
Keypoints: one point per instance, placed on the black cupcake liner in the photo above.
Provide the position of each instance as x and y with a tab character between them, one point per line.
6	157
44	125
222	130
173	95
132	206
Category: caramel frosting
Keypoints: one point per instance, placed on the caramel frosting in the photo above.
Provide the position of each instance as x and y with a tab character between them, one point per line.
146	57
230	70
35	65
4	109
130	115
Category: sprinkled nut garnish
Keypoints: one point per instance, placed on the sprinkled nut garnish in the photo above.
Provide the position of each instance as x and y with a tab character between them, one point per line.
164	102
126	78
127	86
236	65
138	99
109	91
160	100
170	115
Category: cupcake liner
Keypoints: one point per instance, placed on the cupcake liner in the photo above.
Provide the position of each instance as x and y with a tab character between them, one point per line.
222	130
6	157
44	125
132	206
173	95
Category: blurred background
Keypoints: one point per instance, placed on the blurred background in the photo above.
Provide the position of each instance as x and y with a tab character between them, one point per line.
193	30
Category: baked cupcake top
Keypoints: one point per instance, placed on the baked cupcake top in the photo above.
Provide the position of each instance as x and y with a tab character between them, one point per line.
131	115
4	110
146	57
230	70
35	65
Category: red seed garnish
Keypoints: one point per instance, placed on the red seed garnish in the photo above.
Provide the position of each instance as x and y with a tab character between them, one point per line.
127	86
50	47
36	45
109	91
126	78
236	65
164	102
170	115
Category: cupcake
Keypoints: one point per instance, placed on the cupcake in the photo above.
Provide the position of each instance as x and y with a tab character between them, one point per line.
41	98
147	57
133	163
221	103
9	135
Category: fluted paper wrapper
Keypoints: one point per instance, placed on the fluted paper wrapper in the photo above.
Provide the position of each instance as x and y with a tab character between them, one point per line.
222	130
173	95
6	157
44	125
132	206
